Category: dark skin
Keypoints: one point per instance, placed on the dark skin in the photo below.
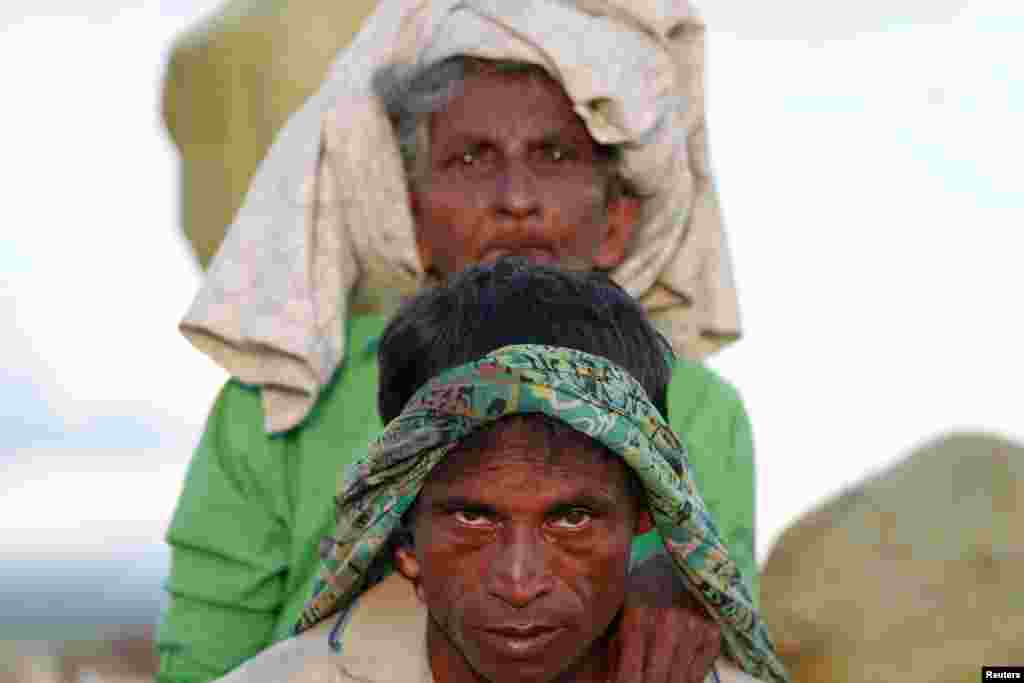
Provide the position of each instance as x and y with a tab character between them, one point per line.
521	543
512	169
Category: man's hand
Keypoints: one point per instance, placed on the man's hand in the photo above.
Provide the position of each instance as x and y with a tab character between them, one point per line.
665	635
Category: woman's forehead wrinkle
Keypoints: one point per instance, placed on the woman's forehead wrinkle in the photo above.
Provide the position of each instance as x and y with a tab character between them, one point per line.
470	113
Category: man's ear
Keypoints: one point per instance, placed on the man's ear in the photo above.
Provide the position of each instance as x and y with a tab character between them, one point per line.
643	522
406	563
623	214
409	567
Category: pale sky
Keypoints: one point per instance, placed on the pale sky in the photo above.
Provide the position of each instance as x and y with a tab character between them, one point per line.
868	157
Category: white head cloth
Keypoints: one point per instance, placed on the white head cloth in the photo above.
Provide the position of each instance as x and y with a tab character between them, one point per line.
326	229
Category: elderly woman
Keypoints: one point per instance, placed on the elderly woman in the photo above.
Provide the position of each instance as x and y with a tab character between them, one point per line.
506	491
449	133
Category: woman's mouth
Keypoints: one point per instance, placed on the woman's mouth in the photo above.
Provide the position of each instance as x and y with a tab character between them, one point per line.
533	254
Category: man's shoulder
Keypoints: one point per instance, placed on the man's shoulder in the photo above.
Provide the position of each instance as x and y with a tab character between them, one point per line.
729	673
380	639
302	659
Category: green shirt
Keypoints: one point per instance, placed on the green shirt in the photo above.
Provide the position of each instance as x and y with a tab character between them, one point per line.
245	533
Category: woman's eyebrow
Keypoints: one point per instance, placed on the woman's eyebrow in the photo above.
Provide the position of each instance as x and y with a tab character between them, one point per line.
466	138
563	135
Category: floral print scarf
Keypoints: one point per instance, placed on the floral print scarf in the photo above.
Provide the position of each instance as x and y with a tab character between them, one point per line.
593	396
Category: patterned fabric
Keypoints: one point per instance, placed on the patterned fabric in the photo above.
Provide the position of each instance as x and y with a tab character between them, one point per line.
593	396
325	229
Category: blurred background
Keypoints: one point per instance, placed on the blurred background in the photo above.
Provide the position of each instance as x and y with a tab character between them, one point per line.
868	157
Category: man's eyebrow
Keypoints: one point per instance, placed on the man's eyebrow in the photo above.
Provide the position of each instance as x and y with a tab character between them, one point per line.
597	500
456	502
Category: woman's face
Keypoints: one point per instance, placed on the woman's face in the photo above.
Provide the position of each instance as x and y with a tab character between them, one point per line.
512	170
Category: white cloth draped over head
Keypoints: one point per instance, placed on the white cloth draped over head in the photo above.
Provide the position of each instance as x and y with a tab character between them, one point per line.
326	228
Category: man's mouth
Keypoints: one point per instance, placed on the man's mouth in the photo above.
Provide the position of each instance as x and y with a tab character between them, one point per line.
521	641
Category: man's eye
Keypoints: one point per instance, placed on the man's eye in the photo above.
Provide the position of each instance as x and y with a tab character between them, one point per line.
471	518
577	518
468	159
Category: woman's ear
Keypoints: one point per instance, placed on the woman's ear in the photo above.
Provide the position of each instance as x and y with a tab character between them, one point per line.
422	246
623	214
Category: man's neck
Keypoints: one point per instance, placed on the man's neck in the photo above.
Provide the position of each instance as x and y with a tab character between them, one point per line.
448	664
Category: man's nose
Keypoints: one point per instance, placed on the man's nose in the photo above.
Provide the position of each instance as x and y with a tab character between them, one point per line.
519	572
517	190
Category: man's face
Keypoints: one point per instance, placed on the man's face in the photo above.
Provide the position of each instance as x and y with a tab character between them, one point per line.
513	170
520	553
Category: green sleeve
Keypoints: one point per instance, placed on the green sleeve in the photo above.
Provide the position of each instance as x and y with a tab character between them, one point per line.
738	517
709	416
229	545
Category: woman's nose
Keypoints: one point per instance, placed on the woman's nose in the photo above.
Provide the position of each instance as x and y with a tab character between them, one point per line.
517	190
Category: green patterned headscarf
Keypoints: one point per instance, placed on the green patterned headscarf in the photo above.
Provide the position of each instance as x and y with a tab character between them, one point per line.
593	396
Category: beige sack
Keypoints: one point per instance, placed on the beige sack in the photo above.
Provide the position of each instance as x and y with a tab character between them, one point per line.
913	576
231	83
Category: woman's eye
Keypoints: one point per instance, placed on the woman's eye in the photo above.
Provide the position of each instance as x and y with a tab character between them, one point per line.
468	159
470	518
573	519
472	159
556	153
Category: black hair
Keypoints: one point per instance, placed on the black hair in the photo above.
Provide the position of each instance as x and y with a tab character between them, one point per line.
511	301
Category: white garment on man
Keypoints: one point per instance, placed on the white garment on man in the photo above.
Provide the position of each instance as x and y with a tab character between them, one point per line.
382	639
